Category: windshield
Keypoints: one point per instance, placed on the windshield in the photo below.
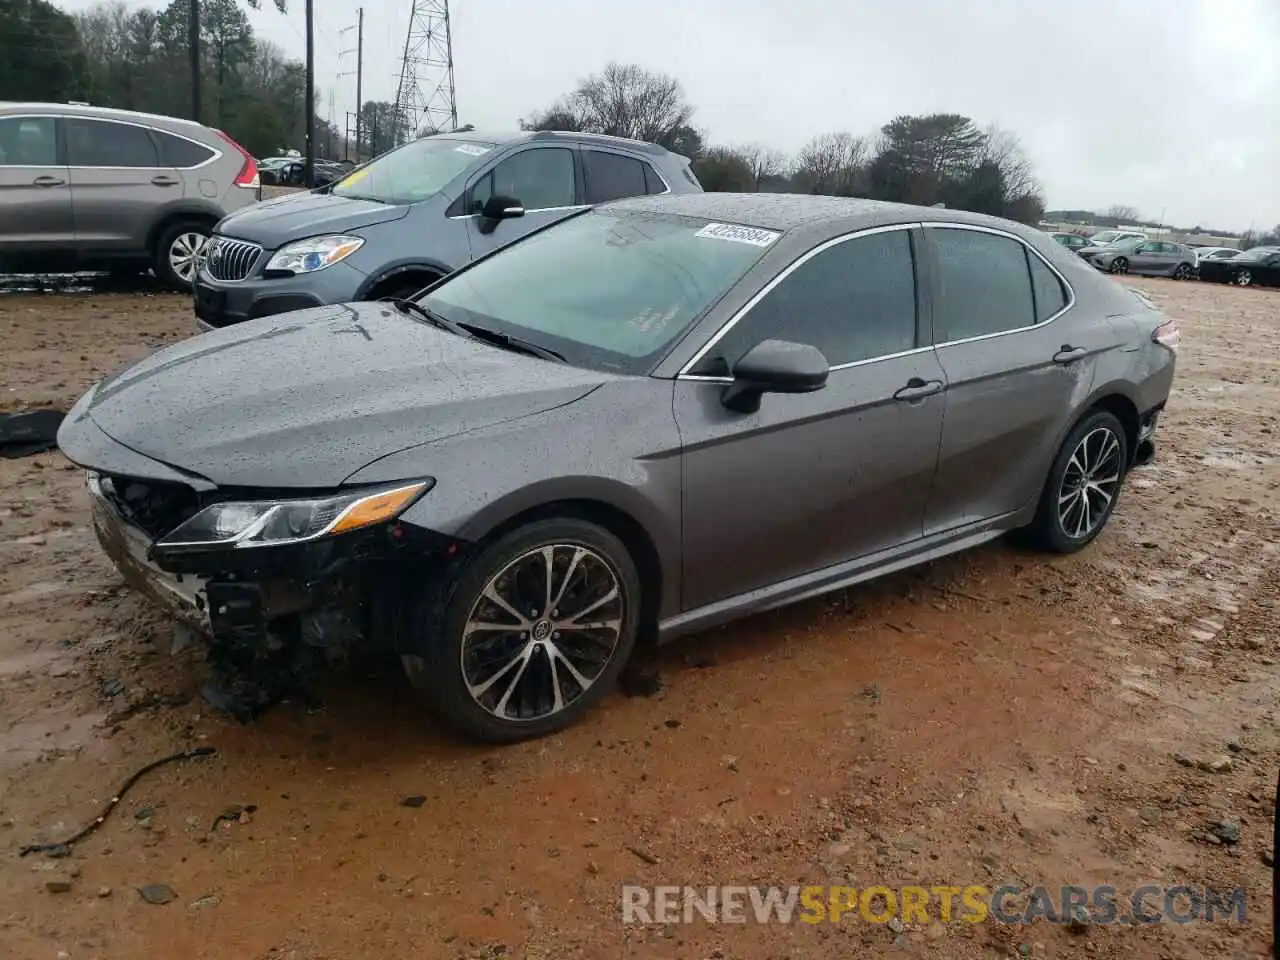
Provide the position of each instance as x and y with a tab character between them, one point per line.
1257	253
610	290
415	172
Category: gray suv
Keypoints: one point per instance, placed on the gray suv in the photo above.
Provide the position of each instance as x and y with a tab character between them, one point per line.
89	188
404	220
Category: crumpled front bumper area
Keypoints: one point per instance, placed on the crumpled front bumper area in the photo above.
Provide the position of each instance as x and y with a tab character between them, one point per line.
273	616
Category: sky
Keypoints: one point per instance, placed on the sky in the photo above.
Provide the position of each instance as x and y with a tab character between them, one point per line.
1169	107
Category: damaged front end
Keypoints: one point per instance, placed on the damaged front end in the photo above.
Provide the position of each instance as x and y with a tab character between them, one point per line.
280	585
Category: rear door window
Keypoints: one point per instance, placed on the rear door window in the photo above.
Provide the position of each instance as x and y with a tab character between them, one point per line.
611	176
105	143
984	286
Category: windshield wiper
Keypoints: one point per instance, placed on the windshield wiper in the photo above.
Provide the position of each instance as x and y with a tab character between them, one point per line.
513	343
433	318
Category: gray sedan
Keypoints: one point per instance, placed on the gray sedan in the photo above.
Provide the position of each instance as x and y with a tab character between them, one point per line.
1160	258
649	418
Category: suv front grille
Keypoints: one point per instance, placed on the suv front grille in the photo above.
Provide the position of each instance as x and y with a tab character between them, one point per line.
156	507
228	259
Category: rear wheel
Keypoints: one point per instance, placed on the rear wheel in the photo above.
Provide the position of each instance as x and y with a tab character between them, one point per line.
523	638
177	253
1182	272
1083	485
1119	265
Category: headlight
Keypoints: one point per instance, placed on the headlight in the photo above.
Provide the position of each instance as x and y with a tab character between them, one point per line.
308	256
273	523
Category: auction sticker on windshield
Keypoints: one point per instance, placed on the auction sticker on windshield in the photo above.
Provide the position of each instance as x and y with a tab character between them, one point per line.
731	231
471	150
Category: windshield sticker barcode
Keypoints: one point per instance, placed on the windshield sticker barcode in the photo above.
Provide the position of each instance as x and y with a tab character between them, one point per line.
471	150
730	231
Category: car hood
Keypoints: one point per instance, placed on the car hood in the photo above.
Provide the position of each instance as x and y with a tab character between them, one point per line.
305	399
301	215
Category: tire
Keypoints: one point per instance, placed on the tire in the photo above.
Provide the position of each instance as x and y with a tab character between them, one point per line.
1059	530
1243	278
1119	265
473	698
174	241
1182	271
392	290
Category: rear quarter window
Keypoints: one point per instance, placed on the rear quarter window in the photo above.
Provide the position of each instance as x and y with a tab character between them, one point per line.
180	152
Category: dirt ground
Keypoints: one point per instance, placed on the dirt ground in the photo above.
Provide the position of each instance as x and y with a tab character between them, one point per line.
994	717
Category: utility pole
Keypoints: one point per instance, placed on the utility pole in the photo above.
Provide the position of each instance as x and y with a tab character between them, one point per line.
359	52
193	52
309	169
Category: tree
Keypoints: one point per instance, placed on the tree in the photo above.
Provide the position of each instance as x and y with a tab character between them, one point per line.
834	164
764	162
623	100
41	57
194	18
1122	214
724	170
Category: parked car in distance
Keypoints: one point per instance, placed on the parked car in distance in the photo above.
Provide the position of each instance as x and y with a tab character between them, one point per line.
1072	241
292	173
1160	258
1258	267
647	418
408	217
1215	253
1107	237
88	188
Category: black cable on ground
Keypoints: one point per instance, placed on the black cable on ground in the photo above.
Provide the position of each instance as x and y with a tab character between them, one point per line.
67	844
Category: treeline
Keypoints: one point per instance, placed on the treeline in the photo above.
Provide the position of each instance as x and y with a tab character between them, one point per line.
940	158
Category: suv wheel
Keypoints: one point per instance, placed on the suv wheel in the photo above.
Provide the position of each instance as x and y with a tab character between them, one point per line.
1083	485
178	249
527	635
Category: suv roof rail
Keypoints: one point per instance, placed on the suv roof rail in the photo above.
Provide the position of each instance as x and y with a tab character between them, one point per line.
643	146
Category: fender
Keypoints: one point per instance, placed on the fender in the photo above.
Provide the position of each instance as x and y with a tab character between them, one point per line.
1112	388
404	265
186	207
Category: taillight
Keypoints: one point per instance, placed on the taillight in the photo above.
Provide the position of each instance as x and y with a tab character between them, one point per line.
1167	335
248	175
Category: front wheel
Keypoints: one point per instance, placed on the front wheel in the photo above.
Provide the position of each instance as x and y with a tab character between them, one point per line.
523	638
1243	278
1119	265
1083	485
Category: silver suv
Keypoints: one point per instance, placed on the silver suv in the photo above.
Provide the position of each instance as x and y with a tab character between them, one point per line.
88	188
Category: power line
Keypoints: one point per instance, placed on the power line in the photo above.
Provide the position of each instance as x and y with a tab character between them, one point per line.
425	94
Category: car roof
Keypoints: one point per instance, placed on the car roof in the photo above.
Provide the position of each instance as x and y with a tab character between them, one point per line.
496	138
102	113
788	212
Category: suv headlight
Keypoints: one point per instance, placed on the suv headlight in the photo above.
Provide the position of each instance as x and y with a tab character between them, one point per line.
308	256
272	523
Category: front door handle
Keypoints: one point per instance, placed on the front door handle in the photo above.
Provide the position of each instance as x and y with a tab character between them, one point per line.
917	389
47	181
163	181
1069	354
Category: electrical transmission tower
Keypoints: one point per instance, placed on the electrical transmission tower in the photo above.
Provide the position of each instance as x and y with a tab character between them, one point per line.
425	96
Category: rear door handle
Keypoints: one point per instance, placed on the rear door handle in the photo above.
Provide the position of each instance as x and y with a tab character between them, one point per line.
163	181
917	389
1069	354
47	181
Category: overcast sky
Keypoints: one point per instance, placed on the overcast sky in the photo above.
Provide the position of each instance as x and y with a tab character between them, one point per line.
1171	106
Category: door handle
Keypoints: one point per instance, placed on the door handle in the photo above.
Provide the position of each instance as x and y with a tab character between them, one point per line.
47	181
917	389
163	181
1069	354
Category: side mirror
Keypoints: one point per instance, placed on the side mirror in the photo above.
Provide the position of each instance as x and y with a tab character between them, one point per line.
498	208
775	366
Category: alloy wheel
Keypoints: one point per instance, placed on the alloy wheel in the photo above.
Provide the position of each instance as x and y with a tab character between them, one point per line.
184	254
1089	483
1120	265
1182	272
1244	278
542	632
